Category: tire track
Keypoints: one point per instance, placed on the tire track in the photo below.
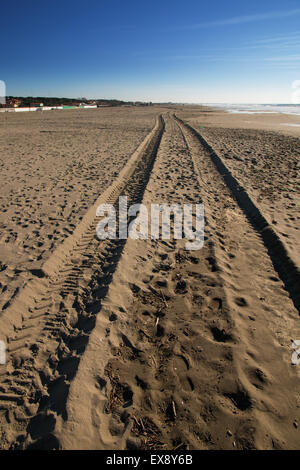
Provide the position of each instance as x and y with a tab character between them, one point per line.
287	270
48	326
164	308
173	360
181	362
264	318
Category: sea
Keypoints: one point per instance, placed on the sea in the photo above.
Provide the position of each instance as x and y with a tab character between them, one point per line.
259	108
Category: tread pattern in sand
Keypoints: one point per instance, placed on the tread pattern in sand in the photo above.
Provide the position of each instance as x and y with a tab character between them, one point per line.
60	305
152	346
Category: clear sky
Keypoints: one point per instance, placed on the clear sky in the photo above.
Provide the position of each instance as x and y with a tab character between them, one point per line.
155	50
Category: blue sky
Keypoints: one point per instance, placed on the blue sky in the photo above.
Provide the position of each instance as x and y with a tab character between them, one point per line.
181	51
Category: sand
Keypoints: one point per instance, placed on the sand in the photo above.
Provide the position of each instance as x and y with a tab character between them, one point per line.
266	163
142	344
54	165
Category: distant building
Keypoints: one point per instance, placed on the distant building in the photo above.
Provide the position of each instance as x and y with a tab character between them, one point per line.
36	105
13	102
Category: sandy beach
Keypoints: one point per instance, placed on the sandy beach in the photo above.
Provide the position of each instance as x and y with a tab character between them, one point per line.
142	344
53	168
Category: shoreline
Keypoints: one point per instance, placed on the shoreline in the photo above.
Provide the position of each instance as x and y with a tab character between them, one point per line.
288	124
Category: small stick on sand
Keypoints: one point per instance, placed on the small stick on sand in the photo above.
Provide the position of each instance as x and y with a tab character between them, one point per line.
174	409
157	320
154	361
136	421
179	446
164	299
